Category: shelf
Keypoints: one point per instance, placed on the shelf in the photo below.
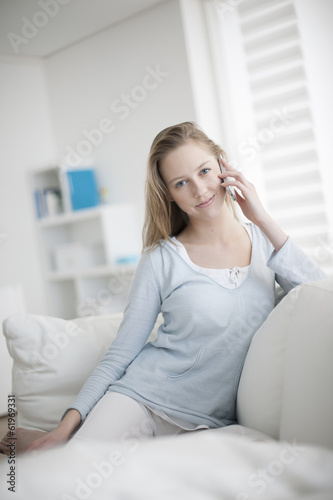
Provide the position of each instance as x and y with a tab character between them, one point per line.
93	272
85	252
42	169
75	216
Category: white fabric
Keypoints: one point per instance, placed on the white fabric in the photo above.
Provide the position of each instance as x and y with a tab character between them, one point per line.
284	391
285	388
52	358
229	278
308	371
178	422
208	465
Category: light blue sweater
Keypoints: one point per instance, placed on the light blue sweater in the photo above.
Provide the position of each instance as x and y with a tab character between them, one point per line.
191	372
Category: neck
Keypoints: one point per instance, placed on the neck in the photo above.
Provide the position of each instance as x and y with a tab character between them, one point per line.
221	229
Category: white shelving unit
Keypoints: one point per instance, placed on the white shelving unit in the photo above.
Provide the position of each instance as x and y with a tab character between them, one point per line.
88	255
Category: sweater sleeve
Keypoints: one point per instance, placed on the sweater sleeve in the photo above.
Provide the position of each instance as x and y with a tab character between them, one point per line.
140	314
293	267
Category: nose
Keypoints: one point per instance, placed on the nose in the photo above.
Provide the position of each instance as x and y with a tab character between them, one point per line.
199	188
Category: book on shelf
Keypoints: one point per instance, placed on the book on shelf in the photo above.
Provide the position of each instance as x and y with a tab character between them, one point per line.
83	189
48	202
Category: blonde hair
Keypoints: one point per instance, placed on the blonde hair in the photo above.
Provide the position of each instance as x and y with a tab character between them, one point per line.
163	218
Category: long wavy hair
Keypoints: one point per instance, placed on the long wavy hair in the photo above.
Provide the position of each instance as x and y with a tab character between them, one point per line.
163	218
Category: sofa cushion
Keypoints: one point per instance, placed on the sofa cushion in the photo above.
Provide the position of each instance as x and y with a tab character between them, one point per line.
52	358
285	389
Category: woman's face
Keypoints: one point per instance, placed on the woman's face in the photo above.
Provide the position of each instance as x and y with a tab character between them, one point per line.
190	172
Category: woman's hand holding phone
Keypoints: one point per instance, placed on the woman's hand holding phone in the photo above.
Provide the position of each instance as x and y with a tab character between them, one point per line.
251	205
248	200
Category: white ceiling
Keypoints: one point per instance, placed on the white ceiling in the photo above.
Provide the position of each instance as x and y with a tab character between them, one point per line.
67	22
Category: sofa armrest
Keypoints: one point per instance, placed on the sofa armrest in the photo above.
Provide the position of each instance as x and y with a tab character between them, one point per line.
285	388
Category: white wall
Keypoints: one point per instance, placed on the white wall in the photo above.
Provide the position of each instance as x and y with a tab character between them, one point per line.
26	138
86	84
46	104
201	65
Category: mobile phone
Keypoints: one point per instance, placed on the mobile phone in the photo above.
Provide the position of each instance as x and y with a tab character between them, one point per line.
230	189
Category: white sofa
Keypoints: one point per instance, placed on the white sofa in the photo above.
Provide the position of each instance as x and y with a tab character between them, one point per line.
281	449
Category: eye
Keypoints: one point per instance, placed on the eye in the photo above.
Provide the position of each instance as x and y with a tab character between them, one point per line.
205	171
180	184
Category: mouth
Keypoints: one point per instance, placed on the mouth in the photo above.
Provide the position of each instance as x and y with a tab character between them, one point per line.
206	203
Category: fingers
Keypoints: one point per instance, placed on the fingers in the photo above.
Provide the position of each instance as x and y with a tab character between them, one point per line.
243	185
237	175
232	172
6	439
4	445
236	179
224	161
45	442
3	448
244	188
226	165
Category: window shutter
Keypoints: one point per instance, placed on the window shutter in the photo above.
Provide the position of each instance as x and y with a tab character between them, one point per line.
285	136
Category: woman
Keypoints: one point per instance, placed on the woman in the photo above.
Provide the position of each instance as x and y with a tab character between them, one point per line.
212	278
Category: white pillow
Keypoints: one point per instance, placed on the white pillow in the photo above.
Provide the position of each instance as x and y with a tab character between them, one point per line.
52	358
285	388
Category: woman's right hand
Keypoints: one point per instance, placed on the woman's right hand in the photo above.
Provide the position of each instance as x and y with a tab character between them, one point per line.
49	440
60	435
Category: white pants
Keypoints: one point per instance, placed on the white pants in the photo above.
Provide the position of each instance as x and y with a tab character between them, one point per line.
119	417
